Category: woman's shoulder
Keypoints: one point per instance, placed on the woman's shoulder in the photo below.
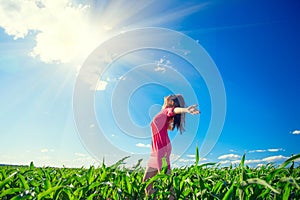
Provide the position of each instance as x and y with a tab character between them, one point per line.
169	111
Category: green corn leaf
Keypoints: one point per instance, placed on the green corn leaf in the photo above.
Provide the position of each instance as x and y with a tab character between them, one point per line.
129	185
10	191
241	193
273	173
207	164
187	192
217	187
47	181
201	181
289	160
90	175
120	162
286	193
261	182
19	197
7	180
154	178
242	163
138	164
48	192
197	156
31	166
23	182
164	165
94	185
290	180
67	192
92	196
264	194
78	192
103	175
229	193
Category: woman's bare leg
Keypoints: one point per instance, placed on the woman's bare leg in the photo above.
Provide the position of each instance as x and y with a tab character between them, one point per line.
149	173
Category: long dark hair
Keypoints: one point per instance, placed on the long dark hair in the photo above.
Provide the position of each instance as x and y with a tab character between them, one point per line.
178	120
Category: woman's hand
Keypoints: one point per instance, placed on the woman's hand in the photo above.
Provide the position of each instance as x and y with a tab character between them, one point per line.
193	110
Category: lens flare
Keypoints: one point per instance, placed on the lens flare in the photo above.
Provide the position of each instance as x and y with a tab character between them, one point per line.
111	114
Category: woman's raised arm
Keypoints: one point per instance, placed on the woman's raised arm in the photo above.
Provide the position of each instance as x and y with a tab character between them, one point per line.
191	109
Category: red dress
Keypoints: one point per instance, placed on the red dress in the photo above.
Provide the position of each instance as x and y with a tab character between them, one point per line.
161	145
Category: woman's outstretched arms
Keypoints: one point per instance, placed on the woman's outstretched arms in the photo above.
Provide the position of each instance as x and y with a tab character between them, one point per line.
191	109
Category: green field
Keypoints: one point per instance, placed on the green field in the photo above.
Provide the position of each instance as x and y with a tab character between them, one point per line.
206	181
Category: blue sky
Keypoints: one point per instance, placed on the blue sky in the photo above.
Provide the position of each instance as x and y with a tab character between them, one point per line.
44	44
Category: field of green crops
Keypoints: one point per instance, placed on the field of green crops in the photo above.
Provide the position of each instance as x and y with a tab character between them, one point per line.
206	181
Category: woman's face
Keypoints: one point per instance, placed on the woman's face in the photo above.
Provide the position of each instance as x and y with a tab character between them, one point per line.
168	102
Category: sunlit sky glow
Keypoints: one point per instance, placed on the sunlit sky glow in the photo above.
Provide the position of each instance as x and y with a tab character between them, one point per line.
44	43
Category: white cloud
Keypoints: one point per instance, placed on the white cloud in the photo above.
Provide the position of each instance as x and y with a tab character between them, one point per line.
236	162
266	150
160	65
191	156
223	162
80	154
160	69
257	151
123	78
296	132
259	162
274	158
61	28
66	31
174	156
143	145
43	158
161	61
101	85
275	150
260	165
186	160
44	150
252	161
83	161
193	160
229	156
186	52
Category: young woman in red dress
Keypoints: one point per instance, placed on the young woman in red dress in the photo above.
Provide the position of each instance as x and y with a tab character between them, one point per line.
170	117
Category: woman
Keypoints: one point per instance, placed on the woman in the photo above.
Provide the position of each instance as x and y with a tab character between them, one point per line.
171	116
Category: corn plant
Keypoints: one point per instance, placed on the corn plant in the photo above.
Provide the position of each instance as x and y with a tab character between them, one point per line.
199	181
